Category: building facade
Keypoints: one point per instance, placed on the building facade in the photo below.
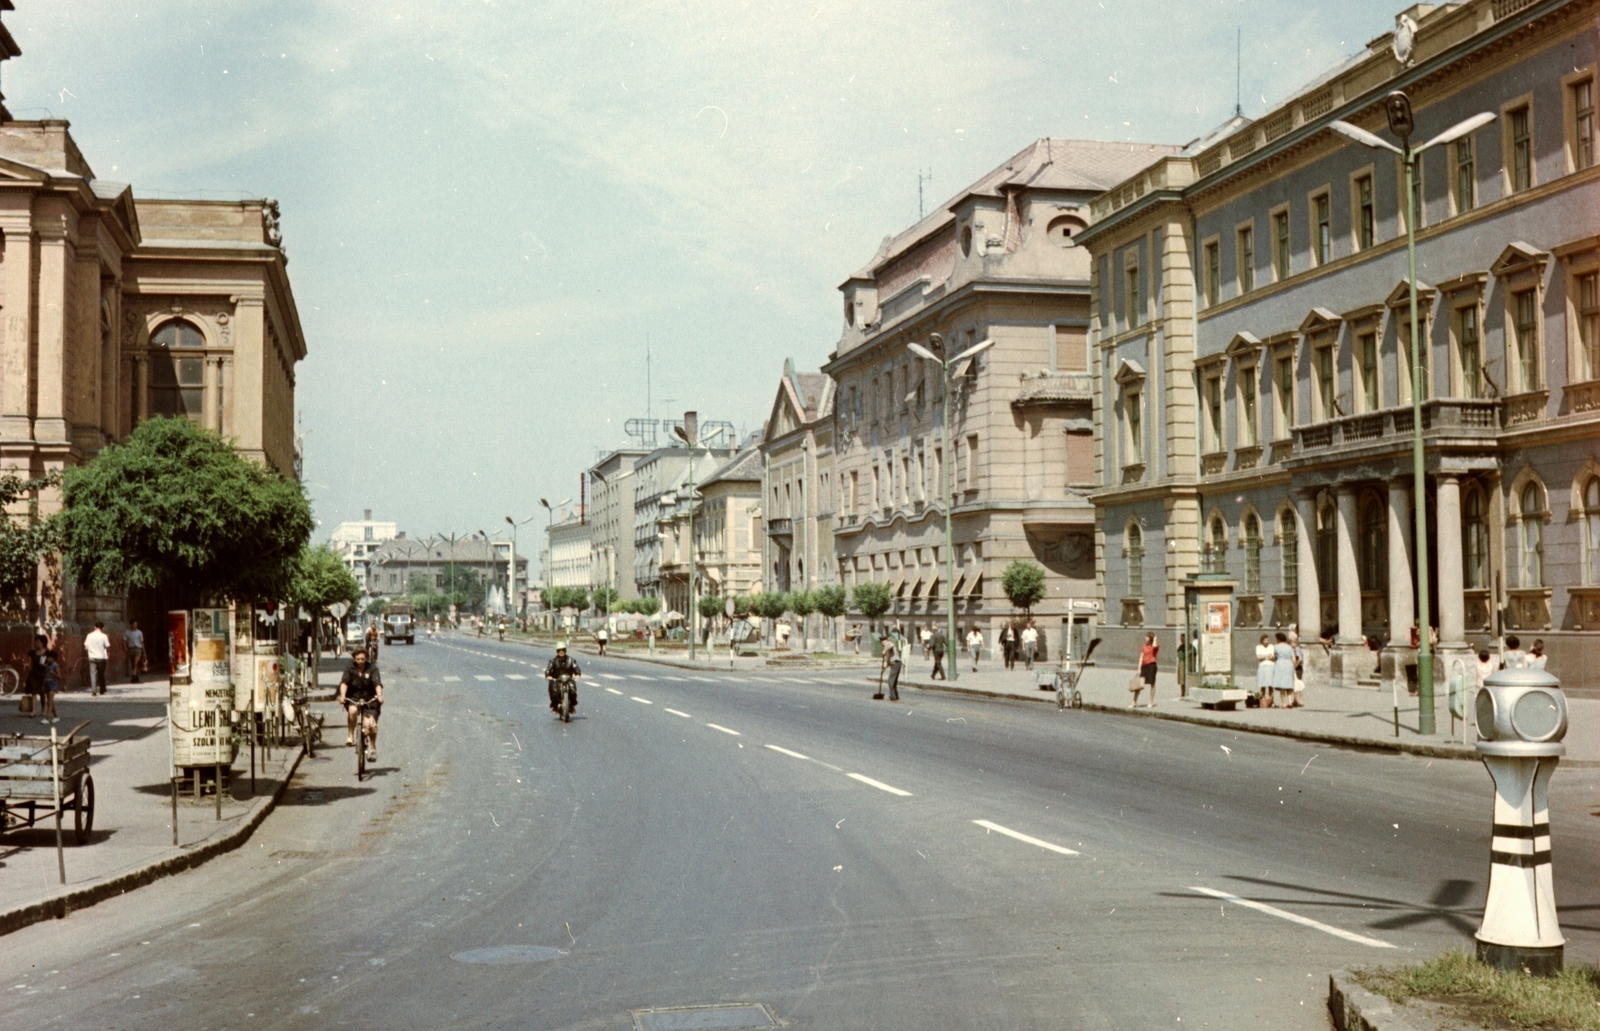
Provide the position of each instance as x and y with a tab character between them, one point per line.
611	517
404	563
571	555
658	479
1000	261
356	541
724	541
798	491
1252	339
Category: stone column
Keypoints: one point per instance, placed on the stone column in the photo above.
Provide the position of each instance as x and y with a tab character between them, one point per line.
1398	653
141	388
1351	659
1309	604
55	259
208	394
16	348
1452	603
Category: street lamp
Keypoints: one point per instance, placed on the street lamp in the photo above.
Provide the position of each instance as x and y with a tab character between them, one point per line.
934	352
1397	106
550	547
511	574
694	610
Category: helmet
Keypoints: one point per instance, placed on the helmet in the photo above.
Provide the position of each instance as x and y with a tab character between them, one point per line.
561	646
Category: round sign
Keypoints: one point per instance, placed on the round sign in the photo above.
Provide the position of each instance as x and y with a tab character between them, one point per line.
727	607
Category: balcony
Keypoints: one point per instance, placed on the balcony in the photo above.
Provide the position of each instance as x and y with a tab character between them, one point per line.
1452	416
780	528
1055	388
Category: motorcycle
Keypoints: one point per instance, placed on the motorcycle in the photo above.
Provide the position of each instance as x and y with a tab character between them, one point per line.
567	692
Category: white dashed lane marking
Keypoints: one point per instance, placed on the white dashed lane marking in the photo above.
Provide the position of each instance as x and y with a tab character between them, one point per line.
612	676
1295	918
785	751
515	676
644	700
452	680
1008	832
705	680
725	730
482	676
613	690
635	676
880	785
685	715
679	680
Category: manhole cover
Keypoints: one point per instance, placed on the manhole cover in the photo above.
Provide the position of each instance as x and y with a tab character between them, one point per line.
530	954
682	1018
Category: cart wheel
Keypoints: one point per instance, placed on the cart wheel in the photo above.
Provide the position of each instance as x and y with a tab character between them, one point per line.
83	810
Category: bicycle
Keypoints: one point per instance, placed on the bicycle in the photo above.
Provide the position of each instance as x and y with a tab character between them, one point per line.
362	744
10	680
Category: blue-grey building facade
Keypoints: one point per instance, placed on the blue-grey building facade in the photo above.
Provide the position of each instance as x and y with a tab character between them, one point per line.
1250	313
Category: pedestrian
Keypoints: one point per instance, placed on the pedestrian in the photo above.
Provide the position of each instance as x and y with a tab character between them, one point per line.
133	641
98	647
1147	667
1030	643
52	681
938	644
975	646
602	637
1486	666
1536	655
1265	659
1283	670
892	664
38	670
1008	644
1514	657
926	637
855	637
902	646
1299	669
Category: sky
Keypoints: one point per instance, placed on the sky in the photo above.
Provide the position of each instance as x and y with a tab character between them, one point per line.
490	206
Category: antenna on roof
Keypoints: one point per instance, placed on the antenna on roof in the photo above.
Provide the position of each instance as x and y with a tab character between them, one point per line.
648	412
921	214
1238	71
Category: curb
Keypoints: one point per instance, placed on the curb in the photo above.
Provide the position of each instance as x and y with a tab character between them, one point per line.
1353	1008
61	905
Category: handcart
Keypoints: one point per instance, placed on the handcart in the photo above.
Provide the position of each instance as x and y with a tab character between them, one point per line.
28	790
1064	679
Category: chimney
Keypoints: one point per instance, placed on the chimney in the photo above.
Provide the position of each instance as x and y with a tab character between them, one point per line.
366	515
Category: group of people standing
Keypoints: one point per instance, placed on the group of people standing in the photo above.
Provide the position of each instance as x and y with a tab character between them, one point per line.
1019	642
1281	671
42	676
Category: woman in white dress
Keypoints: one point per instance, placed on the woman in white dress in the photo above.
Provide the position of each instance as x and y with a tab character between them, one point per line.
1266	658
1283	671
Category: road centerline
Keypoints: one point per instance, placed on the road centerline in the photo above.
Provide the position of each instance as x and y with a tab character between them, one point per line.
785	751
880	785
1008	832
725	730
644	700
1294	918
675	712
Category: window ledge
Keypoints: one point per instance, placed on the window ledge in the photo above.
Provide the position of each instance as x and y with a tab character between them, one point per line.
1133	473
1214	462
1249	456
1584	397
1526	407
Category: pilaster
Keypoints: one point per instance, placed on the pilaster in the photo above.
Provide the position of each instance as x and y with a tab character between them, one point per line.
16	347
55	261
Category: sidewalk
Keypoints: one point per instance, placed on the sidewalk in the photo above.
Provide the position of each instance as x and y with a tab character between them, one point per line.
131	844
1334	715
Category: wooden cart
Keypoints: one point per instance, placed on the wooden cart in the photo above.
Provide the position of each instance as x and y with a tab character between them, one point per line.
27	788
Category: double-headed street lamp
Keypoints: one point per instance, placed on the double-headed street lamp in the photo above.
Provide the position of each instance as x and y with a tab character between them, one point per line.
934	352
1398	108
688	437
550	547
511	575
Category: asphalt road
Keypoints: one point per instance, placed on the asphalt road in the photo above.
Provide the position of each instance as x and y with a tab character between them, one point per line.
702	839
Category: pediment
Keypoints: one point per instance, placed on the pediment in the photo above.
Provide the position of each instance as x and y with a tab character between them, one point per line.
1320	320
1401	295
22	172
1243	345
1519	257
1129	371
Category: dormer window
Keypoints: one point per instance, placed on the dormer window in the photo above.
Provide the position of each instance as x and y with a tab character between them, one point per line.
1064	228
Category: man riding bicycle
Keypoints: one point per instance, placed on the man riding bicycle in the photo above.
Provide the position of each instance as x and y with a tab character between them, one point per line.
561	666
361	683
372	640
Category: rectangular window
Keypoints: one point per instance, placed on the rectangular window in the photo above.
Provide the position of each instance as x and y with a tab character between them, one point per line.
1466	176
1422	356
1213	272
1135	566
1326	384
1285	399
1367	355
1280	244
1247	406
1469	352
1417	209
1214	412
1324	219
972	461
1130	406
1589	325
1132	277
1247	260
1521	151
1366	214
1583	124
1526	308
855	492
1072	348
877	486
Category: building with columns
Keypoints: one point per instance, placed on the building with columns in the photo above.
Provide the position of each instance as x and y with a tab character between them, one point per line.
1252	347
798	496
998	261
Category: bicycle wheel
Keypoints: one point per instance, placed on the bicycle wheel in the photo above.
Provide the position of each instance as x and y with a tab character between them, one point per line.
10	680
361	756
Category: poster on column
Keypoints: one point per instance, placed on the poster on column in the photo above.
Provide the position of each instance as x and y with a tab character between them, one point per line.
198	709
1216	639
178	644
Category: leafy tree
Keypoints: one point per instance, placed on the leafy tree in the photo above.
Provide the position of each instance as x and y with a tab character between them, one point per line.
176	506
1023	583
831	600
710	606
803	603
872	599
648	606
770	604
375	607
419	585
741	605
23	540
463	586
605	599
625	605
320	580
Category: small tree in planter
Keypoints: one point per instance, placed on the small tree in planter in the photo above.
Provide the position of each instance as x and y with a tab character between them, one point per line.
873	600
803	604
832	603
1023	583
710	607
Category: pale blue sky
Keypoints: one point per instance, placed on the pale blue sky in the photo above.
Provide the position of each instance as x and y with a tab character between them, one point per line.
488	204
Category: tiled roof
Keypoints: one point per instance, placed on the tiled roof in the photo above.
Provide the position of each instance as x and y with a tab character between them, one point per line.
745	466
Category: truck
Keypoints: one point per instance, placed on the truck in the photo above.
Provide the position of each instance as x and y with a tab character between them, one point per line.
398	622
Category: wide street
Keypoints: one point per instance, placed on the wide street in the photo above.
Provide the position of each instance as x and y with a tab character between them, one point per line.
703	838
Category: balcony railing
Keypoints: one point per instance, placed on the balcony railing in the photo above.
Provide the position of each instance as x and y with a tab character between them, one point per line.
780	528
1456	416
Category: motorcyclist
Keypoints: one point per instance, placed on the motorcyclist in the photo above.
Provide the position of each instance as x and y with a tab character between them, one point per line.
501	628
561	666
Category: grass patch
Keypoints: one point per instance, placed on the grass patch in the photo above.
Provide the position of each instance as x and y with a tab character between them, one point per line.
1570	1001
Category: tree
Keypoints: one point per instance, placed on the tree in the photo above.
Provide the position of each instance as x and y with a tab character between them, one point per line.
23	541
419	585
605	599
710	606
769	604
1023	583
320	580
375	607
463	586
832	602
648	606
872	599
741	605
178	507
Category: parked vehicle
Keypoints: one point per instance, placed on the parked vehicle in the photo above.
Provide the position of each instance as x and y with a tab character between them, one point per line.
399	623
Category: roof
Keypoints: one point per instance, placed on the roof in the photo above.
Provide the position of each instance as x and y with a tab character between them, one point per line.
1091	166
744	466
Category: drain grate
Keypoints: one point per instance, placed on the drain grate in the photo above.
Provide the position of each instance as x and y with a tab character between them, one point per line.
687	1018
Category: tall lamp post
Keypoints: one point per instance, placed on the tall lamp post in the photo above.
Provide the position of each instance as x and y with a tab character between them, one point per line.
688	436
1397	106
550	547
934	352
511	574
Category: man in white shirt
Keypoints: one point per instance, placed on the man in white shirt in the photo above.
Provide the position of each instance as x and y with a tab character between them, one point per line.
133	640
1030	643
98	647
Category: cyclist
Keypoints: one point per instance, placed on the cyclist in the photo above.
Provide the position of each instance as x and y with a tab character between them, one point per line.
561	666
361	683
372	641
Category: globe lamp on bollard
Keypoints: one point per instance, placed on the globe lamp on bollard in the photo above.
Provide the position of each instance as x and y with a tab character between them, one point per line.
1522	717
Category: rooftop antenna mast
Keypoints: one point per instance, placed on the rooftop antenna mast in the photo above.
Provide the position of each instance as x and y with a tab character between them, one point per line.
921	214
649	412
1238	72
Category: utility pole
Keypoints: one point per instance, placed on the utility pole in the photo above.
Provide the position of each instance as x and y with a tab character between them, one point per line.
689	431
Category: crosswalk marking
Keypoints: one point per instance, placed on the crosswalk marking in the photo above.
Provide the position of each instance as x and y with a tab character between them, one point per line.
612	676
515	676
482	676
452	680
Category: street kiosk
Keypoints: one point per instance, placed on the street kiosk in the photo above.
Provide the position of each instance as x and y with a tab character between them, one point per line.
1208	637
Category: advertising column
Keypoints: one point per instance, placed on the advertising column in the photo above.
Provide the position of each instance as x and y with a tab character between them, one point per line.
199	704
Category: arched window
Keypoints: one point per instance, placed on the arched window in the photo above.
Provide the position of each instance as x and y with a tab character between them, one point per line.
177	380
1135	538
1252	554
1532	536
1327	550
1591	531
1374	545
1218	546
1289	550
1475	541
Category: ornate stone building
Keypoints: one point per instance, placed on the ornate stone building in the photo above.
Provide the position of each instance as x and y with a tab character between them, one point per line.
1252	345
999	261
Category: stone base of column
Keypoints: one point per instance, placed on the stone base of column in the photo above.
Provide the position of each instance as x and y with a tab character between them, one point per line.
1350	663
1393	661
1445	660
1541	962
1317	665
